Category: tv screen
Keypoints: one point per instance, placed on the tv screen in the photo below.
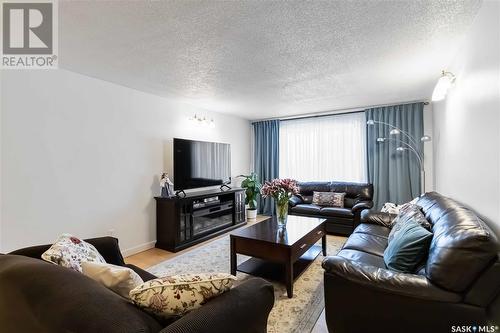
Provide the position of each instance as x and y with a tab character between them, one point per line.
201	164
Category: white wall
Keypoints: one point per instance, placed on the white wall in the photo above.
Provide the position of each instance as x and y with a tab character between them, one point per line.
82	155
466	124
1	74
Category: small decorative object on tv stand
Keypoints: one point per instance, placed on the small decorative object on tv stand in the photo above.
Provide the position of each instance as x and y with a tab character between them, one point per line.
184	221
167	187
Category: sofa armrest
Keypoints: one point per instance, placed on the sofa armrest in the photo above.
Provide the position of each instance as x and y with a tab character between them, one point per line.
145	275
361	205
384	280
244	309
383	219
294	201
109	249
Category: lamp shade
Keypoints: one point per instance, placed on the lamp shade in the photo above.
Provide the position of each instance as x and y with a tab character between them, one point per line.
394	131
425	138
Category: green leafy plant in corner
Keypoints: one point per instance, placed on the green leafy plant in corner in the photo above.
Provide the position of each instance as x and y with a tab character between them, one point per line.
252	189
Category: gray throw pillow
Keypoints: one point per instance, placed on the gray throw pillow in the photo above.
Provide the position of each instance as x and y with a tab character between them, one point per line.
408	212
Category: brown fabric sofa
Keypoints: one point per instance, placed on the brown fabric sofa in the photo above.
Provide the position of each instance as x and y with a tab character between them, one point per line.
36	296
359	196
459	284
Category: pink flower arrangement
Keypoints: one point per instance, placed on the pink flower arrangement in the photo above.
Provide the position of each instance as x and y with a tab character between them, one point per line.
280	189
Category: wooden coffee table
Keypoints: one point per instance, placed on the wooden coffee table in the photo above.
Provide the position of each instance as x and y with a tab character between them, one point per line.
279	255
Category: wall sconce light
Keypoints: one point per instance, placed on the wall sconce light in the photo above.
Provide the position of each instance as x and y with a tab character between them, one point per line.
203	121
444	83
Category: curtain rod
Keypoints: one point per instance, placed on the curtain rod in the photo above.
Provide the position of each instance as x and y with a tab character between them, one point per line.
336	112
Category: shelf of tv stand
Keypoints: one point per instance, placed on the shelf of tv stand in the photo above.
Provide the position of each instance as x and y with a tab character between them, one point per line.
175	223
203	194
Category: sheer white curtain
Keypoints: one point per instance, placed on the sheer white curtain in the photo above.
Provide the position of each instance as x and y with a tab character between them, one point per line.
329	148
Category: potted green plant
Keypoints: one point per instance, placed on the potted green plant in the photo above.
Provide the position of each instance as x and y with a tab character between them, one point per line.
252	190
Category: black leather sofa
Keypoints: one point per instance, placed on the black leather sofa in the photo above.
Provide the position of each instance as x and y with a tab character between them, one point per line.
341	221
36	296
458	285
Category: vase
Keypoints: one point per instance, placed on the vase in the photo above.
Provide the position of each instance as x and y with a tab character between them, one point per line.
282	213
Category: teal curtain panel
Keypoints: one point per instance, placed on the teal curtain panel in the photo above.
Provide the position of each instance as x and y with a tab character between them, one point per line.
394	174
266	157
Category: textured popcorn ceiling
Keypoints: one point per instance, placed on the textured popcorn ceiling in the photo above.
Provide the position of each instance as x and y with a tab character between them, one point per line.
260	59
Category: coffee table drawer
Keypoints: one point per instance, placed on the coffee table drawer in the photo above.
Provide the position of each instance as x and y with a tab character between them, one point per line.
259	250
300	247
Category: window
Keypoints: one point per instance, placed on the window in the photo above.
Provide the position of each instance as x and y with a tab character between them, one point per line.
329	148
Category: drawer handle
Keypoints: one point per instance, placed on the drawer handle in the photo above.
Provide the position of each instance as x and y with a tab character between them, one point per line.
319	232
303	246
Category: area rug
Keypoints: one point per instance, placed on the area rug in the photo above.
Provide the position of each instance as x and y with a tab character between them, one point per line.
294	315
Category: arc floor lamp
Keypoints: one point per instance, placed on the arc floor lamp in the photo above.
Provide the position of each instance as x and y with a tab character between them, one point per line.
412	145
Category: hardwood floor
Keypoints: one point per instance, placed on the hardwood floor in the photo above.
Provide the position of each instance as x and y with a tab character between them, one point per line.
320	326
154	256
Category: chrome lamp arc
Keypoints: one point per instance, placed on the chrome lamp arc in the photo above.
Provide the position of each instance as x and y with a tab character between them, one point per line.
412	145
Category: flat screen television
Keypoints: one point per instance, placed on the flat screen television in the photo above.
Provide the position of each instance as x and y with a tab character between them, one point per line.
201	164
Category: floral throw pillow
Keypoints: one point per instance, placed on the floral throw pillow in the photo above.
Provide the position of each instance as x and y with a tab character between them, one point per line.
178	294
70	251
331	199
408	212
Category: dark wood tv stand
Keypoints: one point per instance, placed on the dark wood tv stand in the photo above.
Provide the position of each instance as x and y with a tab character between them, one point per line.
185	221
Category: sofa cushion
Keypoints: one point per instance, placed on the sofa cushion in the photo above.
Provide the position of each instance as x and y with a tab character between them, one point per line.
306	209
366	243
336	212
328	199
411	215
176	295
70	251
462	246
308	199
412	211
408	247
372	229
116	278
51	298
363	258
350	202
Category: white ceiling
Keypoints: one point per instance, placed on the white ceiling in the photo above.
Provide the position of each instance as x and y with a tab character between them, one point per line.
262	59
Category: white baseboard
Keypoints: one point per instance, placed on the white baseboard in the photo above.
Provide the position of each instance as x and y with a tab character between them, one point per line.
138	248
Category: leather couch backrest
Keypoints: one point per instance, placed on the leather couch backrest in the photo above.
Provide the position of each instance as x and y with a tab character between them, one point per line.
307	188
42	297
359	191
463	246
355	192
